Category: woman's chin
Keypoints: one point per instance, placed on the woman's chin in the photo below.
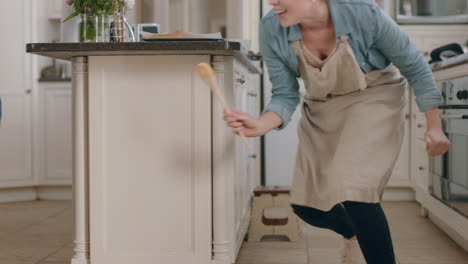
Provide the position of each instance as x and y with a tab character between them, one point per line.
286	23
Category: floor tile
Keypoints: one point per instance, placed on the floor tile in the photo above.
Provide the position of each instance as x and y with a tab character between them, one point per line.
63	254
42	233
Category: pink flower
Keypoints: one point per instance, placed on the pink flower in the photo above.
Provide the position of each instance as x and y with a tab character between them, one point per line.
69	2
88	9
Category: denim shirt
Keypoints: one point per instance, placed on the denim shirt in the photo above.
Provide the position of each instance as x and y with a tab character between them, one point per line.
377	41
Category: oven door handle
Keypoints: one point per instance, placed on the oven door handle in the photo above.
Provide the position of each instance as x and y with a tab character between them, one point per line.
454	116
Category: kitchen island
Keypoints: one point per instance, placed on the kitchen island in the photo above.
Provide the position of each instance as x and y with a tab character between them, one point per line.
158	177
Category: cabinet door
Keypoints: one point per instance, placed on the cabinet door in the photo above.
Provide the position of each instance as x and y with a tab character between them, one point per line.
242	192
56	134
254	154
426	38
420	164
55	9
150	160
419	157
15	91
401	172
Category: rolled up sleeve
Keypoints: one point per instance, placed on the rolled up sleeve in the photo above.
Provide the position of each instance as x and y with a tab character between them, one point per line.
395	44
285	87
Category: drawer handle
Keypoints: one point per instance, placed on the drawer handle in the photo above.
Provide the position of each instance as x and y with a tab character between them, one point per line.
421	168
253	156
420	125
241	80
454	116
252	94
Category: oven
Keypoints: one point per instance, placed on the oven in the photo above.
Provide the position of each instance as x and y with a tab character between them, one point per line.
449	172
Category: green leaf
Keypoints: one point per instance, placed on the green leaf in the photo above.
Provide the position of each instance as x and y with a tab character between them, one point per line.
72	15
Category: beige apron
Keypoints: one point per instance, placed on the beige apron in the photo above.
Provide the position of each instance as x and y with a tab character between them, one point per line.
350	132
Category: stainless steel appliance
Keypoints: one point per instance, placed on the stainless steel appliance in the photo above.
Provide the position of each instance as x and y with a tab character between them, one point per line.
432	11
449	172
138	29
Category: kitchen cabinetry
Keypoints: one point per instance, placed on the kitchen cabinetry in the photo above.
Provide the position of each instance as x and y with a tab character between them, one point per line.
449	220
54	8
157	135
426	38
55	134
16	93
157	173
247	161
400	176
419	158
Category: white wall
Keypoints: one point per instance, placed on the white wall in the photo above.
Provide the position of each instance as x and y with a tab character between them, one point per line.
280	146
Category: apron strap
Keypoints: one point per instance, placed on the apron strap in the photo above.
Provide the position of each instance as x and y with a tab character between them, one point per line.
344	39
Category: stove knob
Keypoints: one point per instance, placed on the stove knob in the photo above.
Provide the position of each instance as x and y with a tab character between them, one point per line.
465	94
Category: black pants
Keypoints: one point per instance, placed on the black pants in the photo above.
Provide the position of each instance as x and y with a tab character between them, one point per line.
367	221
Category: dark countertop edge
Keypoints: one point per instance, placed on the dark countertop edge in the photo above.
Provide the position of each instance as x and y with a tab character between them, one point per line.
54	79
66	51
132	46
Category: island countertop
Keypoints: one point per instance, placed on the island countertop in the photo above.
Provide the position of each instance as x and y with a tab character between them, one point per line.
66	51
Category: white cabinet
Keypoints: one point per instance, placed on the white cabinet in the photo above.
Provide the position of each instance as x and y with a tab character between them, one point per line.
16	92
54	9
419	158
246	161
428	37
169	181
55	133
446	218
401	173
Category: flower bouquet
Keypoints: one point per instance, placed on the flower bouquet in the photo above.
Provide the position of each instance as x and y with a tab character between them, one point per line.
96	17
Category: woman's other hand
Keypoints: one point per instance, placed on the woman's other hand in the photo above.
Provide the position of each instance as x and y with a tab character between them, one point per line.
437	142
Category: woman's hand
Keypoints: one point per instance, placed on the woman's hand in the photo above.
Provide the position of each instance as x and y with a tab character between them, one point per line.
241	121
437	142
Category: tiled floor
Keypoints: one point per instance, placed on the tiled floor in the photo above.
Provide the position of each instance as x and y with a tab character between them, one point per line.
36	232
416	240
40	232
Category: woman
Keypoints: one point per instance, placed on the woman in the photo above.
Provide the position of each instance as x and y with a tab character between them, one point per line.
350	55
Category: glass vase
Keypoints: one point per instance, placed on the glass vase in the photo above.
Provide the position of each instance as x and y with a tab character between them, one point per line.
95	27
121	31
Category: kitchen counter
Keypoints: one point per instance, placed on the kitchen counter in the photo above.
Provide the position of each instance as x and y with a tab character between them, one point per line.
454	71
451	62
157	174
66	51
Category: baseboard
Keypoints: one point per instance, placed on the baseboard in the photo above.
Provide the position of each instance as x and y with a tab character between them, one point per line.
54	192
18	194
459	239
397	194
32	193
450	221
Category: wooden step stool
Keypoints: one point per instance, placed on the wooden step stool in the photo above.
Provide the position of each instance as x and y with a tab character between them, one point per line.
272	214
